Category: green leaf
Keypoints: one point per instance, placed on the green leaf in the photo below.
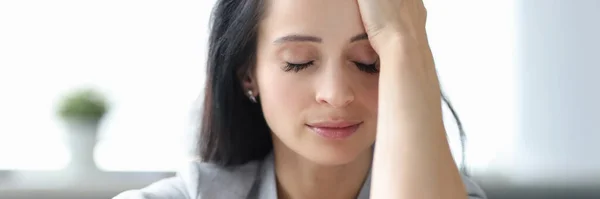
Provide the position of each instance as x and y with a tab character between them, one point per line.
87	104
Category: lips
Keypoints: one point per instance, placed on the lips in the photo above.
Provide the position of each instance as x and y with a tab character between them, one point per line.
334	130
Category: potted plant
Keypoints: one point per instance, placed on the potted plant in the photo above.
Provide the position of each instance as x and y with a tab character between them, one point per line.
82	111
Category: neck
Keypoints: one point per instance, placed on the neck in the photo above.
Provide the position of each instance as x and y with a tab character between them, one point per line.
298	177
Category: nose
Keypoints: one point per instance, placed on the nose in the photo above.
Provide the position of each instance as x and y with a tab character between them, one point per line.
334	88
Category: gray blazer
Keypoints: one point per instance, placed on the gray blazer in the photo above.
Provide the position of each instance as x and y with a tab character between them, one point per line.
254	180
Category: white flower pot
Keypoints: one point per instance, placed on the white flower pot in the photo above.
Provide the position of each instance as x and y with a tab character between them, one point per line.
81	141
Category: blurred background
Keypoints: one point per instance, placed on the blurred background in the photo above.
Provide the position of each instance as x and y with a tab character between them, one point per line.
97	97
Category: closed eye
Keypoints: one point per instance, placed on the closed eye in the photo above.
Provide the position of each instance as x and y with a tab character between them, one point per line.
296	67
368	68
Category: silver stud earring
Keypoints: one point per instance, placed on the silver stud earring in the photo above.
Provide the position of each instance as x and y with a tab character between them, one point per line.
251	96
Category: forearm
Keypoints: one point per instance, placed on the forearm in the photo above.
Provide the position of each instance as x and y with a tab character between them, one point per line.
412	156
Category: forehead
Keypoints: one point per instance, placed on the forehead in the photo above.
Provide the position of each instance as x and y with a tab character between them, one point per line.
327	19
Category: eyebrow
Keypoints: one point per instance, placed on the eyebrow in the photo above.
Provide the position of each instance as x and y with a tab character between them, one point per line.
361	36
308	38
298	38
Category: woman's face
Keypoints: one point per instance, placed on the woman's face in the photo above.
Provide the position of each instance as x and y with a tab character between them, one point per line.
316	78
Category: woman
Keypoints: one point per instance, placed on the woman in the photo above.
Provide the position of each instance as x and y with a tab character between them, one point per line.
298	93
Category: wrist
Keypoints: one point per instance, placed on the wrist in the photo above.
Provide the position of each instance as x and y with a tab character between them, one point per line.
394	45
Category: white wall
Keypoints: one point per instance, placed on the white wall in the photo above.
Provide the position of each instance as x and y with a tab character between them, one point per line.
559	90
147	56
473	46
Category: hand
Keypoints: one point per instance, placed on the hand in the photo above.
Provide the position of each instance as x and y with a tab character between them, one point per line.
389	18
396	30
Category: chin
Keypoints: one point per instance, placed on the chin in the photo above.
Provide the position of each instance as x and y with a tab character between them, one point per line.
333	155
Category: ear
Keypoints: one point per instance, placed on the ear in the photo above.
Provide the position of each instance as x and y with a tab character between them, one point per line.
248	81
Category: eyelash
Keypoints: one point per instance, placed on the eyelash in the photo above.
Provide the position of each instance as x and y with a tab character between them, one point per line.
297	67
367	68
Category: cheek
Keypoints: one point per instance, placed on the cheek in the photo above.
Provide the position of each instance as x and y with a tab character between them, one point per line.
370	99
367	92
367	98
373	92
283	98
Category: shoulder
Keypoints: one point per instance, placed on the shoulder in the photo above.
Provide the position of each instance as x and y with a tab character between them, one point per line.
474	191
200	180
